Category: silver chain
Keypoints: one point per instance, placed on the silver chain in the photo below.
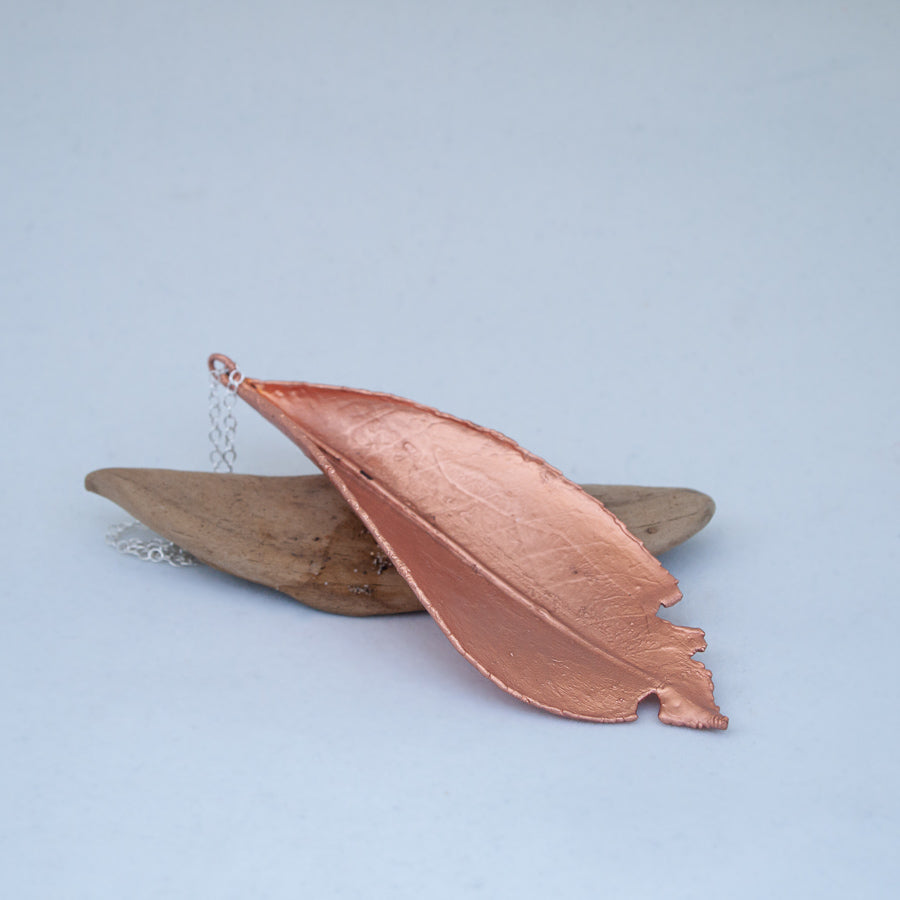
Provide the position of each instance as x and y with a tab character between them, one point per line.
221	416
136	539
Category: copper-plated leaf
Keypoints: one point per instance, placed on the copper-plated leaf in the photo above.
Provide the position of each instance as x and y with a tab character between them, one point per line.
532	580
298	535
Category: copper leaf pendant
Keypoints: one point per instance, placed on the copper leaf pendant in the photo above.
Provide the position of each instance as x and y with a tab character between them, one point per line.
541	588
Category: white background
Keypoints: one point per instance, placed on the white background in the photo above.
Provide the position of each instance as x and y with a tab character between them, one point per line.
655	243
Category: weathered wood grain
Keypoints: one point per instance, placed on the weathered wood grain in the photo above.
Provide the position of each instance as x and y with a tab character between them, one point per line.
297	534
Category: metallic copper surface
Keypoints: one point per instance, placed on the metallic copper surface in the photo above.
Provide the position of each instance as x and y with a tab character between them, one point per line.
541	588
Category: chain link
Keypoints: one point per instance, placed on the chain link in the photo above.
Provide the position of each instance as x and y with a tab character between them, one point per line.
136	539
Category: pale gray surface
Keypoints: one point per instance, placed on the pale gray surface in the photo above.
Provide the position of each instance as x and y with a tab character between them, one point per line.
655	243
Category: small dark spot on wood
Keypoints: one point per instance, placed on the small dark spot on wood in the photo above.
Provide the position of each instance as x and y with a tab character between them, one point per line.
652	529
381	561
316	539
365	474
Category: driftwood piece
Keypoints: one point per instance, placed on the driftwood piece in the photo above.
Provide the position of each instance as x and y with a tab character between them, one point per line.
298	535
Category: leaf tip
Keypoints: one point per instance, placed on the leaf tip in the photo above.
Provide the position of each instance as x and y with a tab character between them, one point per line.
677	708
